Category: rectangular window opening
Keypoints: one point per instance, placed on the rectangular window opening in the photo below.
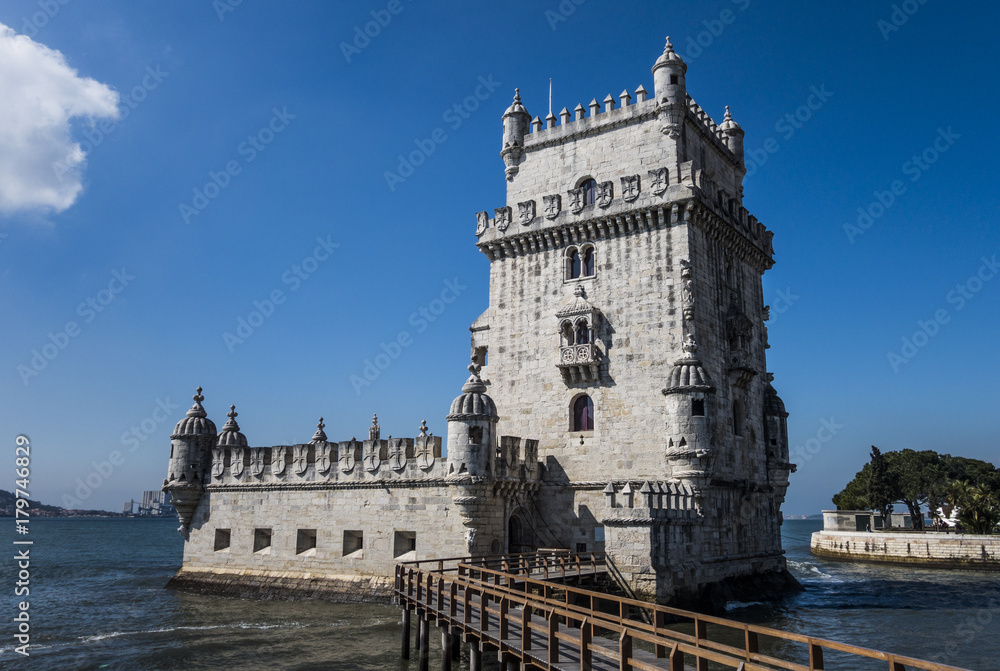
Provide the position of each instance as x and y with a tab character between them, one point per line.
262	541
222	537
698	407
404	543
354	543
305	542
581	547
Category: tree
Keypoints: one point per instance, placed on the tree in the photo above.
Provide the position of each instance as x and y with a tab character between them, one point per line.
855	495
919	477
883	486
978	506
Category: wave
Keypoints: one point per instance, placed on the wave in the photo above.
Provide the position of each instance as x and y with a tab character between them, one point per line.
808	570
739	605
166	630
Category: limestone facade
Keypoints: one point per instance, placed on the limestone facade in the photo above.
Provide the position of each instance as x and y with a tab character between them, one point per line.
618	399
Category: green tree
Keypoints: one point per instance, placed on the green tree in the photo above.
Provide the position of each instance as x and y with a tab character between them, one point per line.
918	477
978	506
855	495
883	486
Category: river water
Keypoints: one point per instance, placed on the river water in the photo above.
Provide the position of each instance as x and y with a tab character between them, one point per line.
97	602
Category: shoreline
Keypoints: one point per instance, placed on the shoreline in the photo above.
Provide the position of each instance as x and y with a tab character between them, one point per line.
931	549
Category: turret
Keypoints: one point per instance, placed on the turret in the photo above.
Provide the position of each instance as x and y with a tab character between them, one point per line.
732	134
690	407
776	438
516	122
190	446
472	423
668	77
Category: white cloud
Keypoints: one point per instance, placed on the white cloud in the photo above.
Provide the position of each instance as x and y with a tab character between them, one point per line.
39	95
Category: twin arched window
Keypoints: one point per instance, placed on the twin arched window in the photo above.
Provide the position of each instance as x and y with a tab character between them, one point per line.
580	262
579	333
583	414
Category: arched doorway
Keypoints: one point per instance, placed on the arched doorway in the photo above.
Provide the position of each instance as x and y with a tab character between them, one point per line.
518	535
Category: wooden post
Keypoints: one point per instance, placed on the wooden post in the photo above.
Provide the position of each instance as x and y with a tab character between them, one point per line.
624	651
815	657
553	641
677	659
701	632
586	636
660	622
445	649
424	646
405	651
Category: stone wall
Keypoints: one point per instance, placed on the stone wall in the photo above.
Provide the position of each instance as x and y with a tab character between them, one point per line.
930	549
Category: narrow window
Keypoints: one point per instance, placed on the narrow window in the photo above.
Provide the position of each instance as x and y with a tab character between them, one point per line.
582	333
737	418
588	262
674	80
305	540
567	335
403	542
589	191
476	435
261	540
583	414
573	264
353	543
697	407
222	537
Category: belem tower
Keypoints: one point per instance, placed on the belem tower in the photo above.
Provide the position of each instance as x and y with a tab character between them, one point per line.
618	398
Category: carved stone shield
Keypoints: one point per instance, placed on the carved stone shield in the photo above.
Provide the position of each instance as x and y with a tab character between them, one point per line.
503	217
553	204
526	211
300	461
278	460
256	461
630	188
482	222
605	194
576	200
347	460
324	458
658	181
372	461
218	462
237	462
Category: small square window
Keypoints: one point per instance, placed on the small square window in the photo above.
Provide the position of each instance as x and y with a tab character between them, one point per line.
354	542
697	407
222	537
404	542
262	540
305	542
675	80
581	547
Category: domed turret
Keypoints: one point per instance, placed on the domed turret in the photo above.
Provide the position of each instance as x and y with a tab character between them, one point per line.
516	121
472	430
190	448
690	400
668	77
231	436
733	135
776	436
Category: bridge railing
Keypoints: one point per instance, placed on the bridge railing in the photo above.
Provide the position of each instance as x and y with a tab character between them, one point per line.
587	621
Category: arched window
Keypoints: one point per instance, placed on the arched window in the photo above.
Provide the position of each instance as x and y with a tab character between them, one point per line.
583	414
567	335
573	263
737	418
587	263
582	332
589	191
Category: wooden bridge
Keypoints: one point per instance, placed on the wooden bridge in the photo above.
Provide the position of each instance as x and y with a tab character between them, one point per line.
525	609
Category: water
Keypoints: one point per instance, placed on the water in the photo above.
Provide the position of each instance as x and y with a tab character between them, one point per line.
97	602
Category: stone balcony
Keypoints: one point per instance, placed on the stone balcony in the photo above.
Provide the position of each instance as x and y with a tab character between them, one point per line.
579	363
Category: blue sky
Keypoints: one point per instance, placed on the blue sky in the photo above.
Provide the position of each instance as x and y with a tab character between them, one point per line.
299	133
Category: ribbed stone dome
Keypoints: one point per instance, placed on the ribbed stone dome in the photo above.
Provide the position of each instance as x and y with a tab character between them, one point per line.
688	373
669	57
773	405
196	422
516	107
728	123
473	402
231	436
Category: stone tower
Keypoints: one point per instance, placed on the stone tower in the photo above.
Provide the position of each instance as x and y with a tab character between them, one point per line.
191	445
626	331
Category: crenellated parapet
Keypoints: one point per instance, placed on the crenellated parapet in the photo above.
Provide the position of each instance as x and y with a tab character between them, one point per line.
650	502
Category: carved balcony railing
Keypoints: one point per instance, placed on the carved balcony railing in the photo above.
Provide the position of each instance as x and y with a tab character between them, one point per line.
579	363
